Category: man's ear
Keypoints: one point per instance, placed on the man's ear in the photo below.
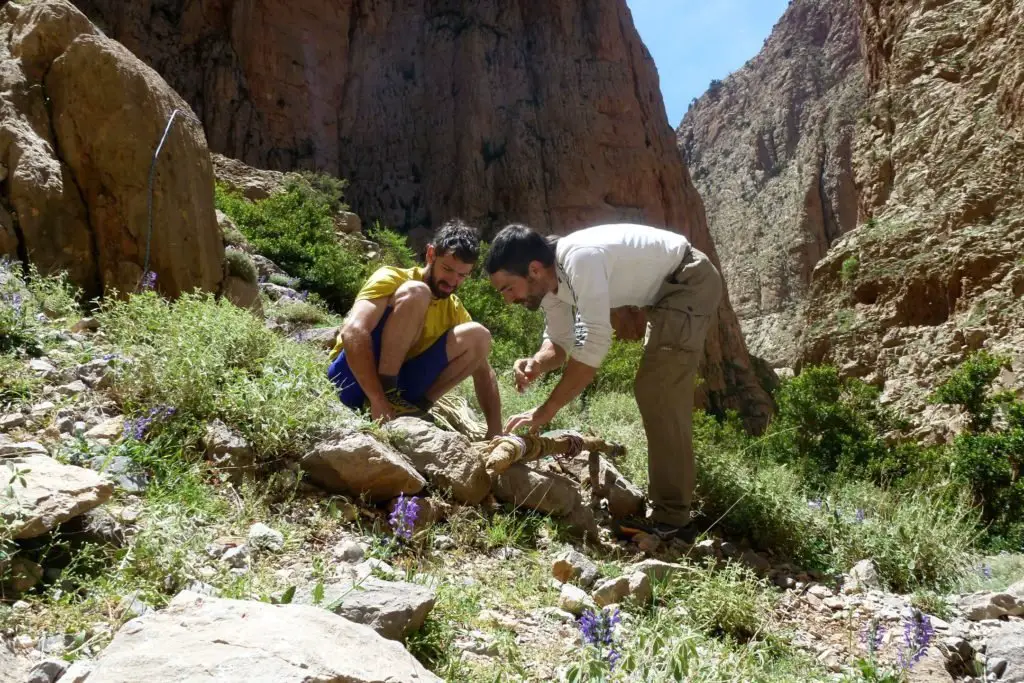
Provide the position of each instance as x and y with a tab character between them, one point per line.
431	254
535	269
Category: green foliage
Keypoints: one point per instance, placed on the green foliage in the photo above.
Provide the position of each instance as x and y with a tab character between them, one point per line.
969	387
209	359
24	297
392	248
240	265
727	602
295	229
618	370
849	270
17	383
826	425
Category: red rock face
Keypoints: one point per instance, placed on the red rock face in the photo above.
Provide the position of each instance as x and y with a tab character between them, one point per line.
548	113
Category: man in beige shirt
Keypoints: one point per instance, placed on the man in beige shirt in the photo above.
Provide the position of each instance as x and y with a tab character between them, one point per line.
586	280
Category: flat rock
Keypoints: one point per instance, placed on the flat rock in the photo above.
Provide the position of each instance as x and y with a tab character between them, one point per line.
445	458
394	609
1007	643
229	451
573	599
108	431
357	464
13	668
199	638
981	606
52	493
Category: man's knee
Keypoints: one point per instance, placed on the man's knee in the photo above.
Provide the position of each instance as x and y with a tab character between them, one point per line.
472	338
412	294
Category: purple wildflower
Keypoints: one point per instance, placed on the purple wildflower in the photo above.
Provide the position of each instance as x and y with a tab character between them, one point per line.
814	504
985	570
138	427
403	516
14	300
917	636
859	515
148	280
598	629
872	635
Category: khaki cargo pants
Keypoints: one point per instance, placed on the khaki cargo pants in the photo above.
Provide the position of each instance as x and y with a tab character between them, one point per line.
677	325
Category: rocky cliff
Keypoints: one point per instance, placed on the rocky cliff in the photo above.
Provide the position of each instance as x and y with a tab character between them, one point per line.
543	112
80	117
770	149
938	268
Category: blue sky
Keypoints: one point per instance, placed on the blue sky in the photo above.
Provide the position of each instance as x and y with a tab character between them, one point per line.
694	41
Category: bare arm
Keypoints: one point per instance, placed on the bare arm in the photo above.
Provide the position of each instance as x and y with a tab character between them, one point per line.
356	335
574	380
485	381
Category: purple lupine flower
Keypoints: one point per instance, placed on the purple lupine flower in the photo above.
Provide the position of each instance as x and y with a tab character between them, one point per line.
403	516
872	635
985	570
598	629
137	428
917	635
15	302
148	280
859	515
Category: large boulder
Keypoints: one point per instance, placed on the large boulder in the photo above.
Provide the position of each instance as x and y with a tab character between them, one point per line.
80	120
357	464
445	458
531	487
45	493
393	609
199	638
604	480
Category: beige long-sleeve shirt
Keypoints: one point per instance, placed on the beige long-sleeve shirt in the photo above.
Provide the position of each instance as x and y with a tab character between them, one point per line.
601	268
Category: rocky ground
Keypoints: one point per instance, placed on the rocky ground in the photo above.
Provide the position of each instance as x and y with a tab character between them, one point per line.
471	589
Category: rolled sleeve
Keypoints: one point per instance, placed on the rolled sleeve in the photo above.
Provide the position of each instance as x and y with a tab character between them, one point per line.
588	279
558	323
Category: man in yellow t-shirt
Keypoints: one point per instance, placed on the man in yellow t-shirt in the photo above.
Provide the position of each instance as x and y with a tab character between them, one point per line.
408	340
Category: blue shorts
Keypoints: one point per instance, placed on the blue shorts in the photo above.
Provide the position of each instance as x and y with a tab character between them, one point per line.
414	377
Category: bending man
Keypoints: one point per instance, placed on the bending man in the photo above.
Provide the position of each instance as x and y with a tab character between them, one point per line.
408	340
643	282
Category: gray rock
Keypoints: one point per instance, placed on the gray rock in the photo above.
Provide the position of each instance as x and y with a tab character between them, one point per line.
656	570
357	464
95	373
277	292
624	498
640	589
262	537
981	606
47	671
1007	643
445	458
556	614
229	451
574	565
132	606
759	563
52	493
108	431
85	325
72	388
442	542
201	638
611	591
527	486
123	471
78	672
12	421
236	557
393	609
573	599
42	408
863	577
349	551
43	368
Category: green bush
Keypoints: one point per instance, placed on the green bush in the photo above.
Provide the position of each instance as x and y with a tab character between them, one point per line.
618	371
209	359
295	229
24	297
826	425
970	387
726	602
240	265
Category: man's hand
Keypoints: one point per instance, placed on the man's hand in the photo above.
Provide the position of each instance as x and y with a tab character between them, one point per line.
526	370
381	409
534	419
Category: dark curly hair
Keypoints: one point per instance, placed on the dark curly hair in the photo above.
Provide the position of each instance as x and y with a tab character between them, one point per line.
456	237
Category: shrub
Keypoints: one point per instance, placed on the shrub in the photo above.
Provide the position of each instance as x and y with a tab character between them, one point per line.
618	370
240	265
24	297
969	387
827	425
726	602
209	359
849	270
295	229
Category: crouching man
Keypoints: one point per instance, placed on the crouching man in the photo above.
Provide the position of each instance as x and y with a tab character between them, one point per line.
645	283
408	340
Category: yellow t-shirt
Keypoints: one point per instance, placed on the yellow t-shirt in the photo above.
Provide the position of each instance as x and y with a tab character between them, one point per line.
442	314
